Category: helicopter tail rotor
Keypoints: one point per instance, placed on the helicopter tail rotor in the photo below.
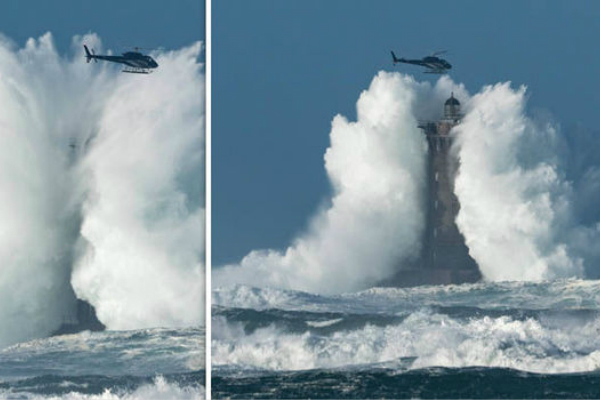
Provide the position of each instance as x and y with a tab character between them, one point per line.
89	56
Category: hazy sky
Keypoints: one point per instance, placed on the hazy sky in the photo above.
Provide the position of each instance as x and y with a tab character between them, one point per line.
142	23
283	69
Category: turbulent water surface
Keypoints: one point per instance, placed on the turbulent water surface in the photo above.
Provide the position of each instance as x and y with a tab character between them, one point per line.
488	340
137	364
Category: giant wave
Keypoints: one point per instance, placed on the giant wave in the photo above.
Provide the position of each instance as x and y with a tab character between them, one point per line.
102	193
526	194
311	321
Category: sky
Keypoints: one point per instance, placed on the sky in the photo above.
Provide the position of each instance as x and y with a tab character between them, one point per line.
283	70
148	23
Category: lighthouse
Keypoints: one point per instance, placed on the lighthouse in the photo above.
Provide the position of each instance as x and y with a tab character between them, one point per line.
444	256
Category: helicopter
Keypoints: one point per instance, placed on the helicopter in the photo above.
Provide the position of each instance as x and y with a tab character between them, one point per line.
433	63
134	61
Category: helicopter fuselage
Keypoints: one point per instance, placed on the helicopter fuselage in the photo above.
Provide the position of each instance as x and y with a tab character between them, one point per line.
137	62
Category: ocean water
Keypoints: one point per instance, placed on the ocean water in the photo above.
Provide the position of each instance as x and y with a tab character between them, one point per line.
485	340
138	364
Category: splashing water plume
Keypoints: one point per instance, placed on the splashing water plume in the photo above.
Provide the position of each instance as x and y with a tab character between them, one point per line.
376	167
515	200
101	195
520	214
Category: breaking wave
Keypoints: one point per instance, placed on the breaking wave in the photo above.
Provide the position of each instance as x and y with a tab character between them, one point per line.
544	328
376	167
101	177
517	201
525	187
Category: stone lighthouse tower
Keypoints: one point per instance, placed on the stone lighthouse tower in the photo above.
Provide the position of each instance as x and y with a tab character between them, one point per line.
445	258
445	255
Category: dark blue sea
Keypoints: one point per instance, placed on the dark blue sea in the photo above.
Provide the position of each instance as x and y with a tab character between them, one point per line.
149	364
486	340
